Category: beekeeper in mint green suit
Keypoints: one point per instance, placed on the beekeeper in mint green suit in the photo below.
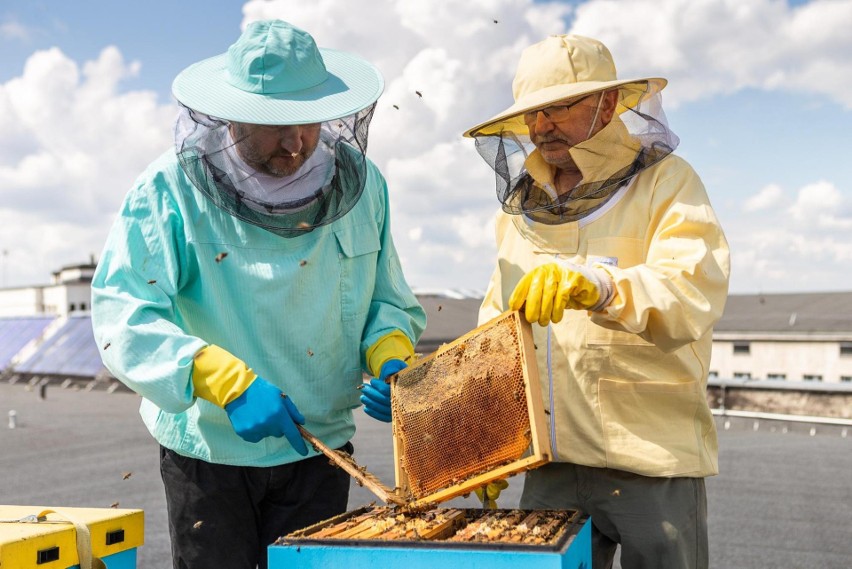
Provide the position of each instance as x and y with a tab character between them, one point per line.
608	243
249	280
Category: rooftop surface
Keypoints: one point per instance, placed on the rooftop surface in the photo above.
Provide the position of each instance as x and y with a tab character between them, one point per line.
782	500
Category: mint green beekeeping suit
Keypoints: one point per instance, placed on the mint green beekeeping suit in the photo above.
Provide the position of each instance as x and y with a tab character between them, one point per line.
178	274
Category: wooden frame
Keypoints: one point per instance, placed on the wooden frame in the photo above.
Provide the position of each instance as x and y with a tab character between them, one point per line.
539	453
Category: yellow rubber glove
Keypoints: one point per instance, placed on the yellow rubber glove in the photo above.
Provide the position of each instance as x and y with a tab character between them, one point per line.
392	346
489	493
219	376
548	290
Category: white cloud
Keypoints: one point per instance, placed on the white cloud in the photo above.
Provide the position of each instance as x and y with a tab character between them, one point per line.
804	245
75	145
11	29
766	198
823	205
711	47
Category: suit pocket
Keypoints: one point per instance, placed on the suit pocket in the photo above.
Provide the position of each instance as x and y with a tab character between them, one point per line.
649	427
359	250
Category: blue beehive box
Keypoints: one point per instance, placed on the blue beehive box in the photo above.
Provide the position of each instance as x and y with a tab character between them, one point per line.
326	545
37	537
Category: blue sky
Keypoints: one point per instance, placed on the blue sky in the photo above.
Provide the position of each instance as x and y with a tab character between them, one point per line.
760	93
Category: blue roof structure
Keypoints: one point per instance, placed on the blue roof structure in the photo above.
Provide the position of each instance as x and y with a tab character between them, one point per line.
70	351
16	332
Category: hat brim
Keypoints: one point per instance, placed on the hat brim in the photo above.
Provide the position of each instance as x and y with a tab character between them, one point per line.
353	84
542	98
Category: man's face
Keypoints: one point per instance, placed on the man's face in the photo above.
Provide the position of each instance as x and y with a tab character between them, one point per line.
277	150
556	129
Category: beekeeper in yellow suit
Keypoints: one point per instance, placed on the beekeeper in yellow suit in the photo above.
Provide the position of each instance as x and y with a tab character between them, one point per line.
608	243
249	281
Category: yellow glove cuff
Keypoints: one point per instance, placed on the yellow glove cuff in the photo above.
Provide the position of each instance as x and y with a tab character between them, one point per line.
218	376
392	346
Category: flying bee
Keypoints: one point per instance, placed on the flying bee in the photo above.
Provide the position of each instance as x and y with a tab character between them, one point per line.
220	256
152	282
302	263
126	475
198	524
396	107
419	94
107	345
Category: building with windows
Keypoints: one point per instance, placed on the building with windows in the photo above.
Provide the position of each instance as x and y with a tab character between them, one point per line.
785	337
68	292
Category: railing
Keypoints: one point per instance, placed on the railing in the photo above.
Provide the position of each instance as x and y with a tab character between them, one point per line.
805	402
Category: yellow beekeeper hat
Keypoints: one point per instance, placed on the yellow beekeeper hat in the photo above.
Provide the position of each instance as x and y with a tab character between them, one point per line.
559	68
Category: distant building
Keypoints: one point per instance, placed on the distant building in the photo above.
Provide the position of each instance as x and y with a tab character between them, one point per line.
69	292
788	337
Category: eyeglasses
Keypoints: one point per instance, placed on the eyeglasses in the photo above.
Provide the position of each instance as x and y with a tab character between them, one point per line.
556	113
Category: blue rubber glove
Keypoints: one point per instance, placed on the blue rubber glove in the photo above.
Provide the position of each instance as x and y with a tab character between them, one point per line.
376	395
264	411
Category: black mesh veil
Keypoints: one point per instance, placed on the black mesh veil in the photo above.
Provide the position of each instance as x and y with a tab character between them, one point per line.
637	137
325	187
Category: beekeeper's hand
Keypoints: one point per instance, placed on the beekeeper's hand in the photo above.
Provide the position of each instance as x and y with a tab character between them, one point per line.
489	493
256	408
264	411
548	290
376	395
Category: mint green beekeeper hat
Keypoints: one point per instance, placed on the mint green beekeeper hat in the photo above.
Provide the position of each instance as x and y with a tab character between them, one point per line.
275	74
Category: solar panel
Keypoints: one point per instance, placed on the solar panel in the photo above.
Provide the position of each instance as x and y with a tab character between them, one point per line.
70	351
16	332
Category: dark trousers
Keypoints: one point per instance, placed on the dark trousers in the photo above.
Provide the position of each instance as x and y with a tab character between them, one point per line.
659	522
226	516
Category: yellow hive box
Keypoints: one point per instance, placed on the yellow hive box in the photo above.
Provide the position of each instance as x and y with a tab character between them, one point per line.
39	537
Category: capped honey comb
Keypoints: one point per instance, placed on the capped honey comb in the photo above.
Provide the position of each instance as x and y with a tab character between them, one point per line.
469	413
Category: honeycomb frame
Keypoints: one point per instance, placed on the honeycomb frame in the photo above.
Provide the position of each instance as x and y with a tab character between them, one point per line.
468	414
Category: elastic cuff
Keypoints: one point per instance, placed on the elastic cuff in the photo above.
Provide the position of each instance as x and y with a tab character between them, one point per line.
218	376
605	286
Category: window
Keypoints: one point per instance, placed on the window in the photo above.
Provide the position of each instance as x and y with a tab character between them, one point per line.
846	348
72	308
742	348
742	375
82	306
846	378
776	376
713	374
812	377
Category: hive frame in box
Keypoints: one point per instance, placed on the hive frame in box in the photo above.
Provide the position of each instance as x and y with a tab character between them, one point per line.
502	398
315	547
